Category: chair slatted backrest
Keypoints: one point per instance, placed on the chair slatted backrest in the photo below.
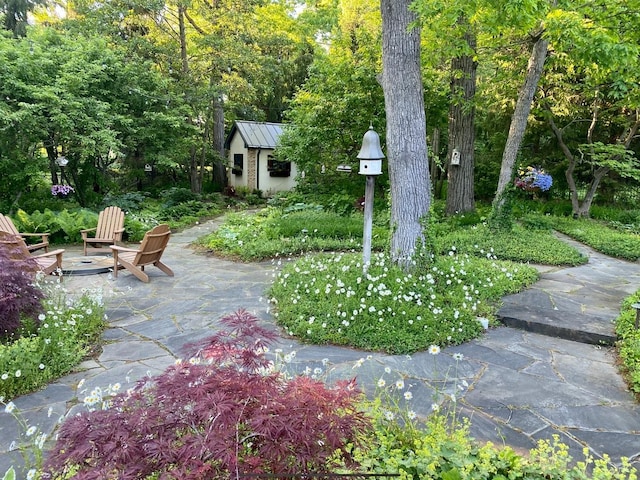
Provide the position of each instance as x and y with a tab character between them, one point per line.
6	225
109	220
15	245
153	245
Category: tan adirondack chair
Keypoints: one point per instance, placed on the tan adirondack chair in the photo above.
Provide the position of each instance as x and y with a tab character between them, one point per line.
6	225
149	253
49	263
108	232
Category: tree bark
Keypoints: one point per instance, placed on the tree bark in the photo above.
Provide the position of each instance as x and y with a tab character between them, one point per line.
519	119
460	190
219	170
406	129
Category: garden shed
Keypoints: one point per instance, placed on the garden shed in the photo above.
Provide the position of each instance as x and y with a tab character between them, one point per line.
250	146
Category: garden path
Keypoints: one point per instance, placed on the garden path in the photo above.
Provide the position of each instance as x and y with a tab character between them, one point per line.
516	386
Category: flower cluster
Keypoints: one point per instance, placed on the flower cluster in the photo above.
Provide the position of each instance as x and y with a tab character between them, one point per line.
327	299
533	178
57	190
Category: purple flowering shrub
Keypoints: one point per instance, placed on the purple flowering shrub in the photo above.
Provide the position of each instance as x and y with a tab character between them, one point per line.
19	297
57	190
533	178
223	413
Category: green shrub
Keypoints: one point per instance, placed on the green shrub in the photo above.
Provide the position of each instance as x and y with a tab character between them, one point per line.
272	233
317	224
176	195
191	208
129	202
137	224
64	226
442	451
536	221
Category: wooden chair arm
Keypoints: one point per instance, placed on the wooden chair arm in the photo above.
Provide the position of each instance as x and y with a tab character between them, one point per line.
123	249
58	252
43	235
87	230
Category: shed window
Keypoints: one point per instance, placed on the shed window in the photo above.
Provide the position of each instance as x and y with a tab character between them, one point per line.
238	163
278	168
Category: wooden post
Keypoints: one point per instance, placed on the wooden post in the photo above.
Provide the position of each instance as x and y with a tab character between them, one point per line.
368	222
636	306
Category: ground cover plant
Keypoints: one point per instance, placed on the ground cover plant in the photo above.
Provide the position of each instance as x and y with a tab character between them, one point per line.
628	344
328	299
276	232
520	244
610	241
46	332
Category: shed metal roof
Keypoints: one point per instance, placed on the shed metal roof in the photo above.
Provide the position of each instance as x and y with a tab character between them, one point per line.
256	134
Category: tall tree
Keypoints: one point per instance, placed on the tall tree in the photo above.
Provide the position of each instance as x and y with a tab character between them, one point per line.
15	15
338	102
406	129
590	96
449	30
461	154
519	123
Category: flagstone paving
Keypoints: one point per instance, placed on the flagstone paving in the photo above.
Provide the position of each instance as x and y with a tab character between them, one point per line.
517	385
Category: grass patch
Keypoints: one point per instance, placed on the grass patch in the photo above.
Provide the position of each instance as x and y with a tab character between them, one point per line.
274	232
599	236
522	244
326	299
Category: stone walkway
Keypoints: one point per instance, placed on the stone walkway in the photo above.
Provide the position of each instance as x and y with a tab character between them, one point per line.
517	386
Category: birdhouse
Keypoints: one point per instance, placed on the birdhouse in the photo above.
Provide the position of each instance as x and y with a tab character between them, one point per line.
455	157
370	154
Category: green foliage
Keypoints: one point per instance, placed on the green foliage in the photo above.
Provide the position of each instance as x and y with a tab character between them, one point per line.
501	216
272	233
444	451
65	332
64	226
328	299
176	196
628	344
599	236
522	244
129	202
321	224
334	108
191	209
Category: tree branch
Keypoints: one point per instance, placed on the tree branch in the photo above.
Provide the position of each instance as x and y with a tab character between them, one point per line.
193	23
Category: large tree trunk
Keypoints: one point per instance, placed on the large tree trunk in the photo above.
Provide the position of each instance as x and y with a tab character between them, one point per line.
406	129
219	170
519	121
460	191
